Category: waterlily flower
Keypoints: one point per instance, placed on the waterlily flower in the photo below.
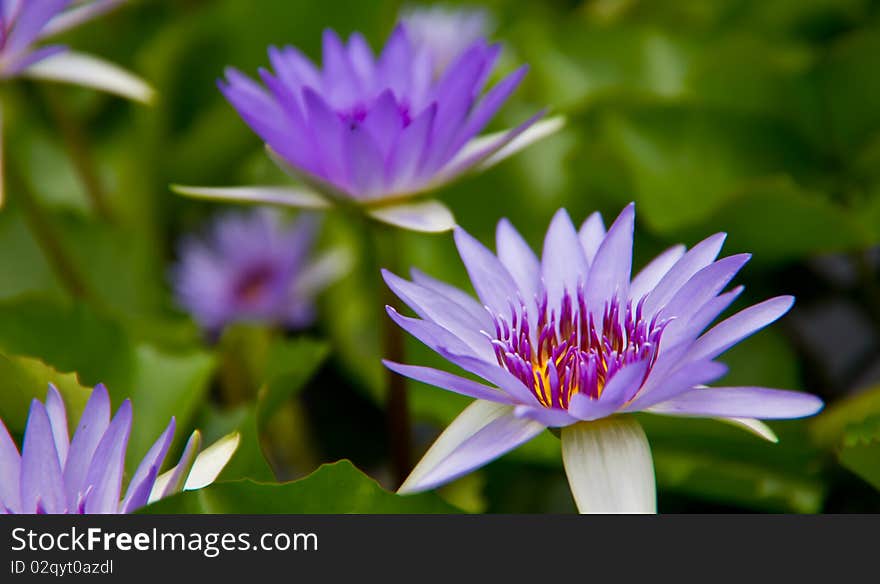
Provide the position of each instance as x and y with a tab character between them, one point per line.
374	133
445	32
253	267
25	24
571	341
56	474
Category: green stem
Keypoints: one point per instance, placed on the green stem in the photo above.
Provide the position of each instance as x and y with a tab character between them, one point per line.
399	424
78	148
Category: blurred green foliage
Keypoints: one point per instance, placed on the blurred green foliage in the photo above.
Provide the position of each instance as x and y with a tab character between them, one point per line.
761	119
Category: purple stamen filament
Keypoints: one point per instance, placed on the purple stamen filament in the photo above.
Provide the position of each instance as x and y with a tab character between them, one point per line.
570	352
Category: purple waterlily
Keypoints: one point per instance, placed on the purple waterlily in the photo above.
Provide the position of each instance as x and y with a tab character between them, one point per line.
56	474
445	32
374	132
24	24
571	341
252	267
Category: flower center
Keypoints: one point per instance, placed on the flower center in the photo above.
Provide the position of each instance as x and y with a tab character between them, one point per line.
569	351
354	116
252	287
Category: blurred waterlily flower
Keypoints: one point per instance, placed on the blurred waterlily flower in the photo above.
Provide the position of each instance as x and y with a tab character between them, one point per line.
374	132
571	341
24	24
445	32
56	474
253	267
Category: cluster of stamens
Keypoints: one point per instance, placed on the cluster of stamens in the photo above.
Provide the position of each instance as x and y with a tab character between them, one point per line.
570	351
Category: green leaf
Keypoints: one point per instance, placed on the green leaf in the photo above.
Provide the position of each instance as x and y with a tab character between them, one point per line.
333	488
290	365
25	379
829	427
860	451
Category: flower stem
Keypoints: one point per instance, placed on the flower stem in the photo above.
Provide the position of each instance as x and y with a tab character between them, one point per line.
399	424
79	150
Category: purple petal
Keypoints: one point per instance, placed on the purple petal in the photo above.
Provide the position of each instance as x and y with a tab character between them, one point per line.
591	234
489	105
742	402
685	378
700	256
295	70
430	334
340	80
408	153
361	58
549	417
492	373
477	448
384	123
30	22
42	484
439	309
454	383
610	271
10	470
650	276
366	166
329	136
468	303
739	326
92	425
141	483
108	464
491	280
564	267
622	386
519	259
58	420
393	66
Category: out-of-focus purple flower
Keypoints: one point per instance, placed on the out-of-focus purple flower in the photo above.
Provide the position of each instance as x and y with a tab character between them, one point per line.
56	474
253	267
571	341
445	32
375	132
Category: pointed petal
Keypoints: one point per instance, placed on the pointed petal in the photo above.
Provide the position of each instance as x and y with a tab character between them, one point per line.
609	466
283	196
739	326
564	266
481	433
108	464
10	470
438	309
519	259
475	310
697	258
42	484
610	271
591	234
58	419
91	428
142	482
430	334
491	280
173	481
741	402
366	165
445	380
424	216
211	461
88	71
651	274
409	151
32	17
